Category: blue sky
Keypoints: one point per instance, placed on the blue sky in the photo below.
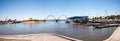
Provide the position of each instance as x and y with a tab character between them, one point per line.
40	9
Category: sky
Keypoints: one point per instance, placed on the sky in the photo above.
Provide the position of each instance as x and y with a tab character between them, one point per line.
40	9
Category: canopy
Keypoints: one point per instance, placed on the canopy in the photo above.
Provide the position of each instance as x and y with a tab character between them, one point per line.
74	17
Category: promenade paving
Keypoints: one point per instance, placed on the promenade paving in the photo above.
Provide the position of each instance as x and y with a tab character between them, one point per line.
36	37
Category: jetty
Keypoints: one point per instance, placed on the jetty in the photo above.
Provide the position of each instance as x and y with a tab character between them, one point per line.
115	36
36	37
105	25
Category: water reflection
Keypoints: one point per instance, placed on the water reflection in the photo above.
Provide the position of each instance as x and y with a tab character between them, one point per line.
86	33
30	25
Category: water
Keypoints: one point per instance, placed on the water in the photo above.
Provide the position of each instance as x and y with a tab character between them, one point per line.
86	33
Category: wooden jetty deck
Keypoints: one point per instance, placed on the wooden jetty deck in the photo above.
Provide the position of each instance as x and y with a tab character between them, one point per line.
106	25
115	36
36	37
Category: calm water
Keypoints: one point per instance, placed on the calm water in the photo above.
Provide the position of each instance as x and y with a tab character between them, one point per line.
86	33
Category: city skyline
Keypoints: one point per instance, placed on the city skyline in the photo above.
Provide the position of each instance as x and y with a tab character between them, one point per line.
40	9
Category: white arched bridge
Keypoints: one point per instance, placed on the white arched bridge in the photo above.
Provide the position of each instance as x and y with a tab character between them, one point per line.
59	18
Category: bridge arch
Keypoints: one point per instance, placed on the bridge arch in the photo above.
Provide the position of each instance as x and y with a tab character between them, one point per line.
62	16
50	16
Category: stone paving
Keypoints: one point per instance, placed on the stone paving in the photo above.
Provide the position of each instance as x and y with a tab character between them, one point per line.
36	37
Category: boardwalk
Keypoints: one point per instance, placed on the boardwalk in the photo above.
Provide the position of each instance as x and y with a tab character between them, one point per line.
37	37
115	36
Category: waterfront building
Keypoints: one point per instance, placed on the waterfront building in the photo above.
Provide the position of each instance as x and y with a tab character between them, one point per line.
77	19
